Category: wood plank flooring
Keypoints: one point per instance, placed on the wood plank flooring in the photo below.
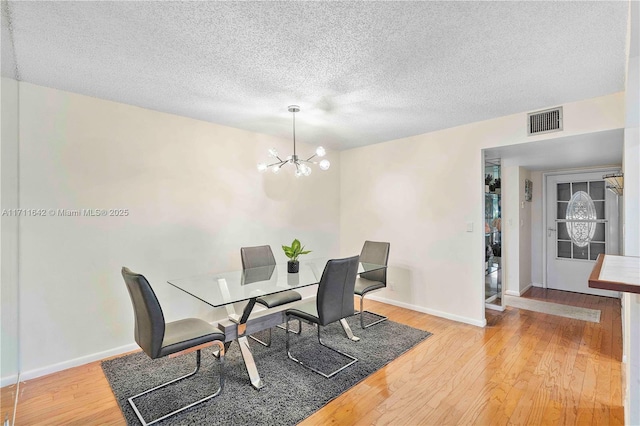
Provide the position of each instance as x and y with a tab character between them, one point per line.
523	368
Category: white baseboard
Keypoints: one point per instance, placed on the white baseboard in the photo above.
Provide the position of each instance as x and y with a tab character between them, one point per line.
518	293
434	312
8	380
54	368
491	299
494	307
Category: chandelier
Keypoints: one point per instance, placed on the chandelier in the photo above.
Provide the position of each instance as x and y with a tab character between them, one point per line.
302	166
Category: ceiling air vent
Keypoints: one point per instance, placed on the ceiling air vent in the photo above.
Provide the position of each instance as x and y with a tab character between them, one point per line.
549	120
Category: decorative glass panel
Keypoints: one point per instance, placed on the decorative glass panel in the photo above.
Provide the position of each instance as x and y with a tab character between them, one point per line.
579	186
599	205
564	191
581	216
564	249
563	234
581	252
596	249
596	190
599	234
562	209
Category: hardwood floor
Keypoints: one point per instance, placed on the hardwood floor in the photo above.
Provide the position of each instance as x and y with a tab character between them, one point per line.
523	368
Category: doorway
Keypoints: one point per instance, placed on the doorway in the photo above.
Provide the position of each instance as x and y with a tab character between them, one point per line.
493	234
581	221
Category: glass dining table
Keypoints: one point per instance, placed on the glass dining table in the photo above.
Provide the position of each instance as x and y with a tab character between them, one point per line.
227	288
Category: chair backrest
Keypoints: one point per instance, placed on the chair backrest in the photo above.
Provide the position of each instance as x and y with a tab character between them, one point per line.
378	253
335	290
150	325
255	257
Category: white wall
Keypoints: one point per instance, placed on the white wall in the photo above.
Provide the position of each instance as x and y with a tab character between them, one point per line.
9	359
510	229
536	230
524	226
194	198
419	193
631	242
516	230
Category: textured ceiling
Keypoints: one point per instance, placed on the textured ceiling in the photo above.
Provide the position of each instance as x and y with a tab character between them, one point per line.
363	72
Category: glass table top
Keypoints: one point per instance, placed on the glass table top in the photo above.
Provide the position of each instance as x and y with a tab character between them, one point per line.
219	289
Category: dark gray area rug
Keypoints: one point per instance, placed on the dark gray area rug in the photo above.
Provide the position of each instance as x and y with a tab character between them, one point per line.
291	392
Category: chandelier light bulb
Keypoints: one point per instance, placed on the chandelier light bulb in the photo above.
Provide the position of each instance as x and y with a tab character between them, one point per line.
276	170
325	164
262	167
305	170
298	173
273	152
320	152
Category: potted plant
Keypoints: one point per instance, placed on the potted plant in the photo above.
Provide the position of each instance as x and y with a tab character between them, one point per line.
497	184
487	181
292	252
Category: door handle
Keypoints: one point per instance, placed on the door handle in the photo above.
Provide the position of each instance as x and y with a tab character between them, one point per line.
549	231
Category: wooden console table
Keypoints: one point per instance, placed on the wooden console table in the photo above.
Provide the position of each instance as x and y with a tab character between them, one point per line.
617	273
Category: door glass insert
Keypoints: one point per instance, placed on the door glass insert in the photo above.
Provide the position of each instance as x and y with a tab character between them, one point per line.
581	216
564	249
595	249
580	252
581	223
579	186
564	192
596	190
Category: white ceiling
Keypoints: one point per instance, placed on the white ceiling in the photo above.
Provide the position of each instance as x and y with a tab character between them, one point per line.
363	72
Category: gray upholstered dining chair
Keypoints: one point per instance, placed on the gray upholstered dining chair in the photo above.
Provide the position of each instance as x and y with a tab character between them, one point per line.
158	338
256	257
377	253
333	303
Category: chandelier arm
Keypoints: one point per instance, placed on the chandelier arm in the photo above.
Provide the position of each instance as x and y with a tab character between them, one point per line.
308	159
280	163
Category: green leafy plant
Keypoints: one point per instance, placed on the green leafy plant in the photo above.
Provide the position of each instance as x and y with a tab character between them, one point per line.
488	179
295	250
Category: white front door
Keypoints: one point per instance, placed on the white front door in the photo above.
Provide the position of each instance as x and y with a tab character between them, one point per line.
574	239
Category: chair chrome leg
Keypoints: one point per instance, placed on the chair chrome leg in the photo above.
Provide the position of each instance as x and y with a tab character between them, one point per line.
267	344
292	331
352	359
381	317
213	395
